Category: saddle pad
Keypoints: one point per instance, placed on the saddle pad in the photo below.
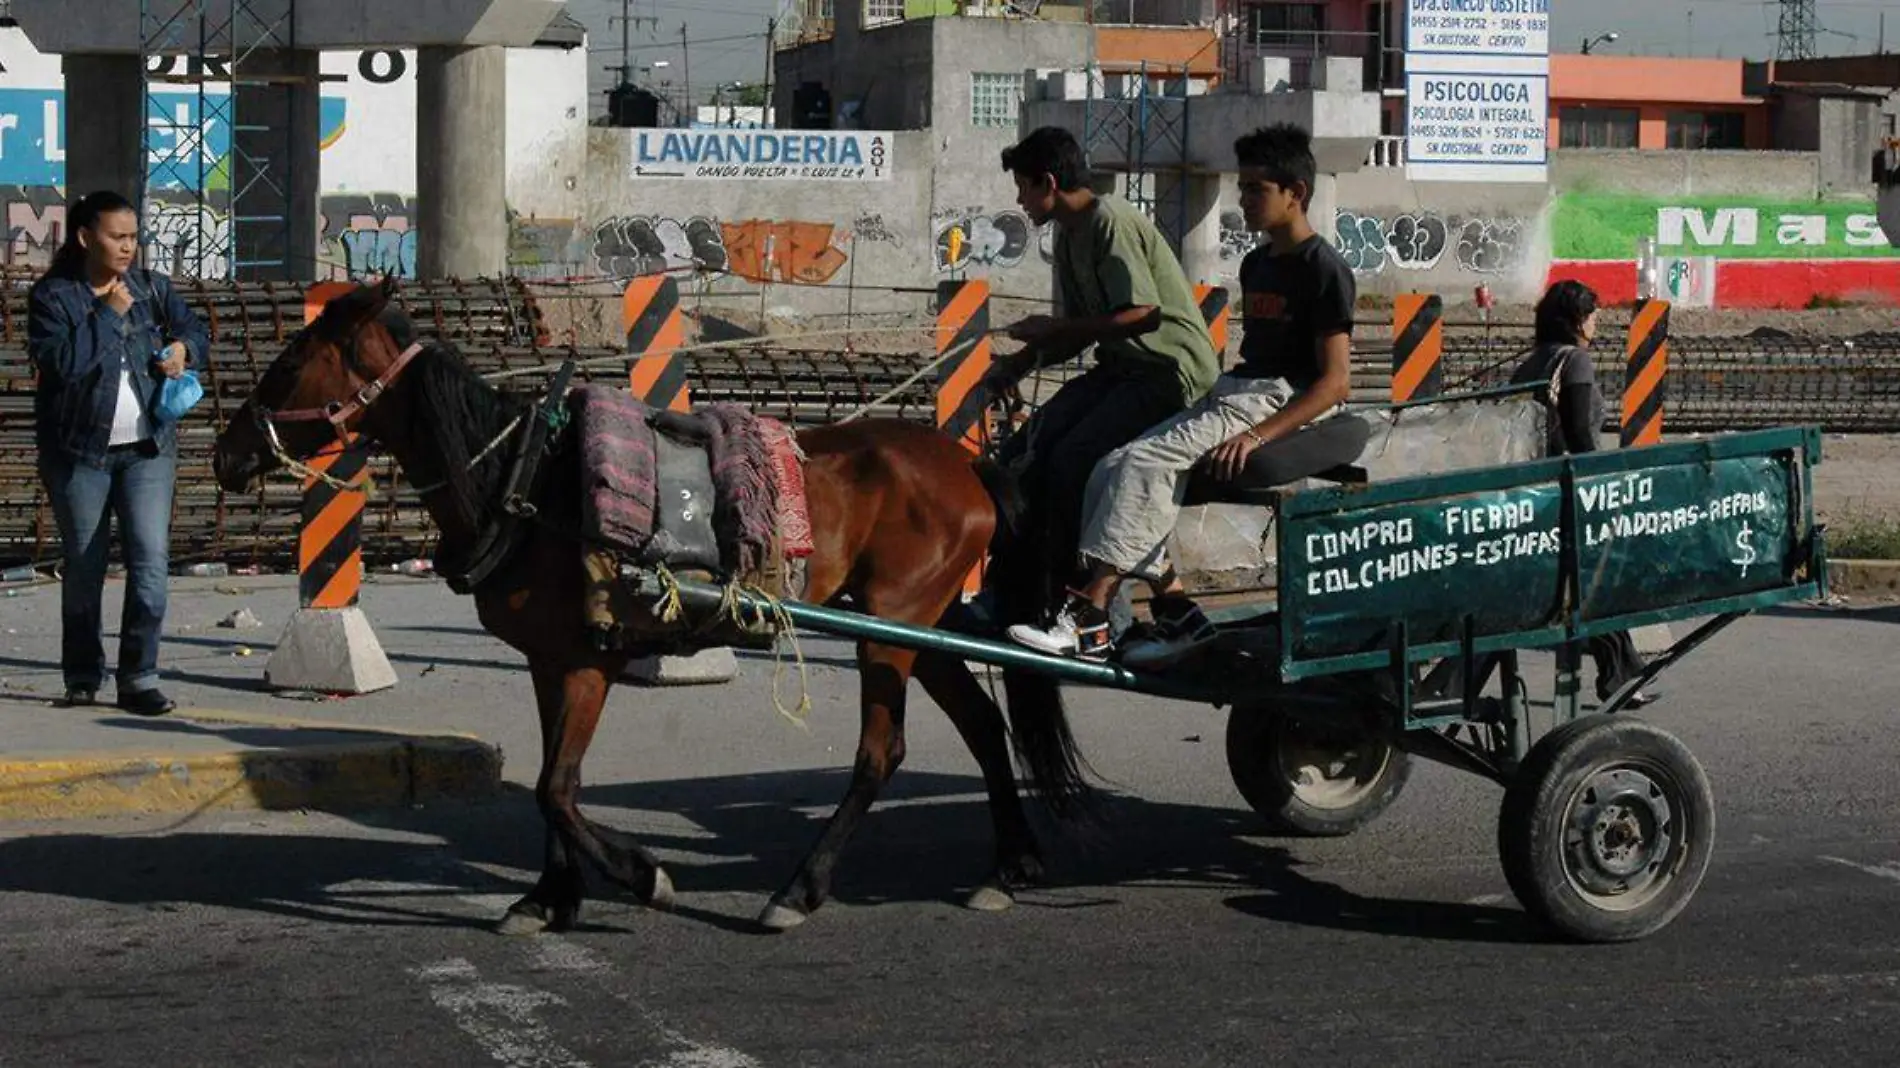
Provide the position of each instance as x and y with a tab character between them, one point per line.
618	467
788	472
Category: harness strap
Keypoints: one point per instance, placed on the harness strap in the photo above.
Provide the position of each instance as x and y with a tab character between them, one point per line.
338	413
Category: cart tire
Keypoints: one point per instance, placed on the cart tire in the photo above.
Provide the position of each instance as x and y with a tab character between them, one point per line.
1311	782
1607	829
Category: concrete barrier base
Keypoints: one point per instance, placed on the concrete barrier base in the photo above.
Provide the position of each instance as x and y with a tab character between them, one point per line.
706	667
330	650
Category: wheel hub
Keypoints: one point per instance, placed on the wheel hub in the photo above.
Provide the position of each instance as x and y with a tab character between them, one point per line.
1620	836
1330	773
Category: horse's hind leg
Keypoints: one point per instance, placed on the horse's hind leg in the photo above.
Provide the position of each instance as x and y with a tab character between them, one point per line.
570	701
884	675
951	684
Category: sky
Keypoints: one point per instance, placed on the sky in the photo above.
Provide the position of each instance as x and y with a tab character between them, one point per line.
726	38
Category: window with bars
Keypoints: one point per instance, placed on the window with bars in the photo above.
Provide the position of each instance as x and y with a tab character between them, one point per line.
996	100
1286	25
1707	129
881	12
1597	127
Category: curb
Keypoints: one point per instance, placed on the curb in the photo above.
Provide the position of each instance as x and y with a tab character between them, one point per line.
1861	578
399	770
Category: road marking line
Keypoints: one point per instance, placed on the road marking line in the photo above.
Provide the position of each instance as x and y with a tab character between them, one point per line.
498	1016
557	954
1889	870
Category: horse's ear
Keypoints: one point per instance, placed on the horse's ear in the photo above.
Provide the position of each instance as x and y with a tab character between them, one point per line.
345	315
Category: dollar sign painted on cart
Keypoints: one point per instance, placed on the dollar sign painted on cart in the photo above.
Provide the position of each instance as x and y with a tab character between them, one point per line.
1744	544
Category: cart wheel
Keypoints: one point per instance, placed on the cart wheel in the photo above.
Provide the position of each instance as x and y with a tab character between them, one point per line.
1607	829
1311	778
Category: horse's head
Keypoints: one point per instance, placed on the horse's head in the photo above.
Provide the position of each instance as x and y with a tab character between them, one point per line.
319	389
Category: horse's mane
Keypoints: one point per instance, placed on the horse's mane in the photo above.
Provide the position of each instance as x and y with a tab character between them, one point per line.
465	414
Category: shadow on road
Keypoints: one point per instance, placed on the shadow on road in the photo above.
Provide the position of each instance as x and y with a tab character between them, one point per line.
928	840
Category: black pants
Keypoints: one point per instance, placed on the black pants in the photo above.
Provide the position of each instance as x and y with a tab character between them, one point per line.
1088	418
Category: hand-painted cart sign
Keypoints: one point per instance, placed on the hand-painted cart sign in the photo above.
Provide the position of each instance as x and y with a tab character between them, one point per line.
780	155
1682	533
1491	546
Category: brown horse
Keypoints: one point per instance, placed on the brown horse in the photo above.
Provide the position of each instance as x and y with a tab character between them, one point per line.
901	514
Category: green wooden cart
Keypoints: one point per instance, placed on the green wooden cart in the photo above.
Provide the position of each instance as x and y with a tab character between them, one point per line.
1401	615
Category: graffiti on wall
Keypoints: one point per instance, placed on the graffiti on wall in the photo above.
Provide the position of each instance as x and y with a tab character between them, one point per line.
799	253
1421	241
759	250
369	234
969	238
633	245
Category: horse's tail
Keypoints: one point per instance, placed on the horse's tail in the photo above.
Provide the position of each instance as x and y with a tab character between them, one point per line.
1045	747
1038	720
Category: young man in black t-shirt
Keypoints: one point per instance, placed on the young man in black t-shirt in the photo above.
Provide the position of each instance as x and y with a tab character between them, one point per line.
1295	369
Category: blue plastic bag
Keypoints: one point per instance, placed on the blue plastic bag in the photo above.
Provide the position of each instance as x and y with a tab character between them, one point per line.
176	396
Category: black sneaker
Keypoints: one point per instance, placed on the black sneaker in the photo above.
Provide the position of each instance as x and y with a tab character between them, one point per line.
1079	629
146	703
1180	627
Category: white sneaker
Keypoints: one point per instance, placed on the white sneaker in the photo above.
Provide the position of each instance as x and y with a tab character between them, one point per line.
1079	630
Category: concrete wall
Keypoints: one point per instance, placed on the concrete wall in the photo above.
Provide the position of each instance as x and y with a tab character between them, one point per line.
812	250
1679	174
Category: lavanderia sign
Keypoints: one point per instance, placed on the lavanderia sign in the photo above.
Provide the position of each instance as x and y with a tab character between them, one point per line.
829	155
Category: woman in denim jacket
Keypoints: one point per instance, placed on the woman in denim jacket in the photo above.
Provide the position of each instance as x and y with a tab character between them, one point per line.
103	336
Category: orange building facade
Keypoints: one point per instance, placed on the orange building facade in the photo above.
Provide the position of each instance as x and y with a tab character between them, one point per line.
1646	102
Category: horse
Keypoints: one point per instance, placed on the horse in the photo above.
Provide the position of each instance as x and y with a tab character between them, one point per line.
901	513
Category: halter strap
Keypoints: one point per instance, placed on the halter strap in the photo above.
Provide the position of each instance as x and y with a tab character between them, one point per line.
338	413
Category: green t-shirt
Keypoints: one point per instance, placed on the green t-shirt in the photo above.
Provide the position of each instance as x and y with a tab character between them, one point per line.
1117	259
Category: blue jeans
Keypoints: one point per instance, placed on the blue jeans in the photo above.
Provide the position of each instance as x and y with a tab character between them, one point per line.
136	486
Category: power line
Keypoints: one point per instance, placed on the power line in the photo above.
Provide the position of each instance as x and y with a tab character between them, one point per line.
676	44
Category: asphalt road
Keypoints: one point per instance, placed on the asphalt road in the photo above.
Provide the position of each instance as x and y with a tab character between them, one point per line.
1179	936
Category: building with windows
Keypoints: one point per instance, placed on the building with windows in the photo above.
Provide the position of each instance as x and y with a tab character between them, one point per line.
1599	101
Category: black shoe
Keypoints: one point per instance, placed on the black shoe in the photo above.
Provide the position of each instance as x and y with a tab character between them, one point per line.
146	703
80	697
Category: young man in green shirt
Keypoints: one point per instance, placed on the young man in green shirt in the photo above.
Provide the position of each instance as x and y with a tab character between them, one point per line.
1122	291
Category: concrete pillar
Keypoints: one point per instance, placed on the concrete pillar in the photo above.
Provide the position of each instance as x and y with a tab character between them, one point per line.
461	162
1200	245
105	128
275	169
1324	208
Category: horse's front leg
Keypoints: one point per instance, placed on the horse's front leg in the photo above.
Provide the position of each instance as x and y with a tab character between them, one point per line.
883	675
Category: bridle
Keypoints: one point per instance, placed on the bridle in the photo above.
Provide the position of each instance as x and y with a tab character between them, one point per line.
337	413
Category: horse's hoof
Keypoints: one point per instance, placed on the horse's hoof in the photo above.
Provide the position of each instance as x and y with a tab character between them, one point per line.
990	899
777	917
661	896
517	924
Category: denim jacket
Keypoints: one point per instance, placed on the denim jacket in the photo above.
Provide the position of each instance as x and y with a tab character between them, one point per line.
78	345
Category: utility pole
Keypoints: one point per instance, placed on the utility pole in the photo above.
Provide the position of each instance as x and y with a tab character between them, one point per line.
686	75
771	56
627	20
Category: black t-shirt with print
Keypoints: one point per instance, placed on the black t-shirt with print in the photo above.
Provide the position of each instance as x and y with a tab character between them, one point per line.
1288	304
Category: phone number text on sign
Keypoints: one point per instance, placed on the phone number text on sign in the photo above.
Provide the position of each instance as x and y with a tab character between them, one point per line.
1479	27
1477	118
